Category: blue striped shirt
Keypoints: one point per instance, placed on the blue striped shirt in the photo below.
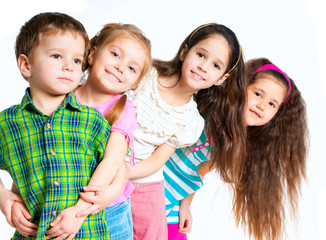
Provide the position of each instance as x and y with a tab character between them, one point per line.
181	177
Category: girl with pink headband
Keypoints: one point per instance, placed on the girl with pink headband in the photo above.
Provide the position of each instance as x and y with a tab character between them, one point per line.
275	161
273	67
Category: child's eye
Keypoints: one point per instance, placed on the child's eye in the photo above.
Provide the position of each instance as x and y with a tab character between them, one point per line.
78	61
132	69
216	66
272	104
257	94
56	56
115	54
200	55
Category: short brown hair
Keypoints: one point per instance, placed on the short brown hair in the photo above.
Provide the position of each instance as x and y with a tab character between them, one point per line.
48	22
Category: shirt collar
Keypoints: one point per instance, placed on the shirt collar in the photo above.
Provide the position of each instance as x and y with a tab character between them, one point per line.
26	99
69	102
72	102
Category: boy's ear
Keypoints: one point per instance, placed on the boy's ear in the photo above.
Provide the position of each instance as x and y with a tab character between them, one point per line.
24	66
183	53
222	79
91	56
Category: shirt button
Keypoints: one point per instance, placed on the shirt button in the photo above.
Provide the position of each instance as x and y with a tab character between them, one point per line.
52	153
54	213
56	183
48	125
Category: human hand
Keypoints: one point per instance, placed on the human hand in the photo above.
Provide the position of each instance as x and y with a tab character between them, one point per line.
66	225
7	199
103	196
20	217
185	218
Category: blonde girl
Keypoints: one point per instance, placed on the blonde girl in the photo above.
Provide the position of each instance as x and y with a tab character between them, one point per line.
118	58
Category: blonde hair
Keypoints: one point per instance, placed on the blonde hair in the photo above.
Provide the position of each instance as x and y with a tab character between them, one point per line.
109	33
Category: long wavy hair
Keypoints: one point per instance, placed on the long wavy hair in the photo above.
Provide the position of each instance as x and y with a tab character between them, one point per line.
108	34
222	105
275	163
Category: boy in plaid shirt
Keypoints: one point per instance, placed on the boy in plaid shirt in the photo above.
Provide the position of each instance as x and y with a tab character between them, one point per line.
49	143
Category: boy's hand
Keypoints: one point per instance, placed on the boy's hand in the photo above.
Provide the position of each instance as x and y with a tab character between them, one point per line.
66	225
20	217
7	199
185	219
103	196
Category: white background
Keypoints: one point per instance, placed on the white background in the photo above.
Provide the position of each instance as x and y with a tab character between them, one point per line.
291	33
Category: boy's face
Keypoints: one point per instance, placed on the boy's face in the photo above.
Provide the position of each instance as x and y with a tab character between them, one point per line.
55	67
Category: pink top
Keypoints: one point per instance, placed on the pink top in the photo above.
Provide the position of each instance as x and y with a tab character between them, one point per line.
126	124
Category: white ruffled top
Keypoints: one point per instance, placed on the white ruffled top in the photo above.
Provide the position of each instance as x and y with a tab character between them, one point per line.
158	122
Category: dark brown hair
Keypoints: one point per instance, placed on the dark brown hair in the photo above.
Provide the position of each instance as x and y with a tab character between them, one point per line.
46	23
108	34
275	163
222	105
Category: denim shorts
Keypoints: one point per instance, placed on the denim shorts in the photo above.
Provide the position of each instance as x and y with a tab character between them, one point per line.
119	220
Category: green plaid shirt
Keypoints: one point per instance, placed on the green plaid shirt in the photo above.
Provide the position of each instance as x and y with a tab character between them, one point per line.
51	158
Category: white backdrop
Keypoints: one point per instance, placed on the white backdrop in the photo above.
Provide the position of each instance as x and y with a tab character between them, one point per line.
290	33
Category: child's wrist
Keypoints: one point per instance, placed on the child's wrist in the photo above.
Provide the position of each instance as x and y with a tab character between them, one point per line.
2	189
185	204
2	194
81	205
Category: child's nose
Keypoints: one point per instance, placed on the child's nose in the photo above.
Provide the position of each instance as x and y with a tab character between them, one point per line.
203	66
119	68
260	106
68	67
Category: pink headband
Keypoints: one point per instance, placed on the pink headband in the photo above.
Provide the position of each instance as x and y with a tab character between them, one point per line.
273	67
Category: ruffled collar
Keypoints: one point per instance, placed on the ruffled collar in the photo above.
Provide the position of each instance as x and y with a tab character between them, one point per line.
151	81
